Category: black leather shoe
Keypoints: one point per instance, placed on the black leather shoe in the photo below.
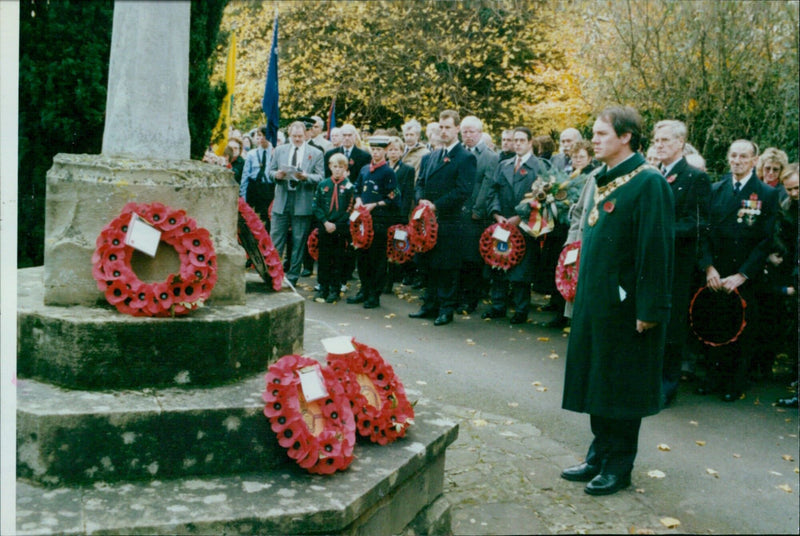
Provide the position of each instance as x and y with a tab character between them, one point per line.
372	303
358	298
583	472
731	397
493	313
443	319
333	296
557	323
519	318
423	313
607	483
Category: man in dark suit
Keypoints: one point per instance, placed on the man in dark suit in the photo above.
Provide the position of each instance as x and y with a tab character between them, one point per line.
475	216
613	369
296	170
444	184
562	160
356	158
742	216
512	180
691	189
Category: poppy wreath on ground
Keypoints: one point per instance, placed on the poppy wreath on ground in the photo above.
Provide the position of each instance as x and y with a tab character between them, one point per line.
499	254
717	318
255	240
567	275
423	230
319	435
179	293
398	251
380	406
361	229
313	244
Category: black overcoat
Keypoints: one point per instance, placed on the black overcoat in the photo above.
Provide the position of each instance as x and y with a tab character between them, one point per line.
625	274
447	183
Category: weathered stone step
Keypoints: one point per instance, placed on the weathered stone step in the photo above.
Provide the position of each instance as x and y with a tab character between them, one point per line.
99	348
387	490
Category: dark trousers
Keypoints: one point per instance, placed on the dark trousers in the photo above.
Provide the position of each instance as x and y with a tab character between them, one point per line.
441	291
471	285
503	292
615	444
332	251
372	264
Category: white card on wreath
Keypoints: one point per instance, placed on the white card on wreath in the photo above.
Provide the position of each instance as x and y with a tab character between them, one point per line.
341	345
142	236
400	234
418	214
311	383
501	234
571	257
354	215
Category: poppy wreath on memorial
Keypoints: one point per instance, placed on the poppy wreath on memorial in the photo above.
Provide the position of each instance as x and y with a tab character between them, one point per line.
423	230
361	229
717	318
270	262
398	251
180	293
380	405
567	275
313	244
502	255
319	435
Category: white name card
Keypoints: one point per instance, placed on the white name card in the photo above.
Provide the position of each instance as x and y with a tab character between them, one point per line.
501	234
571	257
400	234
341	345
311	383
142	236
354	215
418	214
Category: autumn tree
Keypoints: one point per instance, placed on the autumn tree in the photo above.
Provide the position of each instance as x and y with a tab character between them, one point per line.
729	69
387	61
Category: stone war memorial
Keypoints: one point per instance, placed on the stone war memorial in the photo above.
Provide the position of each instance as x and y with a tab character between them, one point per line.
139	408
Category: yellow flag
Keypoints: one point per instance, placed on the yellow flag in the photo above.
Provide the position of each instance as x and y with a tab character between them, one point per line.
226	111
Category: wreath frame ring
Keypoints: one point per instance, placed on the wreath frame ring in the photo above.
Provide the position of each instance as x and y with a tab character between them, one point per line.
361	229
491	251
398	251
423	231
254	238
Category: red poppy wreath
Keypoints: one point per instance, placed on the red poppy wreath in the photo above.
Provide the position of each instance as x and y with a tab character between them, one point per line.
361	229
179	293
499	254
423	229
255	240
398	251
319	435
313	244
567	274
380	406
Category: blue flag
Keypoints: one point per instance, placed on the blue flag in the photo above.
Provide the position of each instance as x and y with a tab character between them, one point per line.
332	117
270	101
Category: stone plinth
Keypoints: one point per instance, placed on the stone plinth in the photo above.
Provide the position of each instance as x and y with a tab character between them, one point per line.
387	490
86	192
99	348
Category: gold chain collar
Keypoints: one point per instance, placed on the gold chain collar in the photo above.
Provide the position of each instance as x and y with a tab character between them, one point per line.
602	192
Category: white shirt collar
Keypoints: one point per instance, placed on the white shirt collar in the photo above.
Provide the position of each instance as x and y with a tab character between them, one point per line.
449	148
744	181
668	168
524	158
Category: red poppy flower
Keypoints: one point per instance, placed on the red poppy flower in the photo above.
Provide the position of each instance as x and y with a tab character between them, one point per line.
608	206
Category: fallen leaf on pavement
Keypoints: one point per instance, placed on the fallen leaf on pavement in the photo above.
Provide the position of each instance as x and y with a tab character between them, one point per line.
409	351
785	487
479	422
712	472
737	455
553	355
541	389
344	324
470	342
449	371
797	469
670	522
513	404
775	473
639	490
694	423
388	326
655	473
420	382
536	384
788	457
664	447
700	443
543	339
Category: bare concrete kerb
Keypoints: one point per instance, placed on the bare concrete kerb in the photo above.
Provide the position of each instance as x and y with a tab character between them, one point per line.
86	192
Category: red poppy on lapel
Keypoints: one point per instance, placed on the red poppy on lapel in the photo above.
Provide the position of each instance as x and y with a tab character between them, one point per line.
446	159
351	162
754	197
523	171
608	206
671	178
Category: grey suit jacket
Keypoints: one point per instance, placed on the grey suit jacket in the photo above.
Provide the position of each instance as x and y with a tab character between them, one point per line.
311	165
487	165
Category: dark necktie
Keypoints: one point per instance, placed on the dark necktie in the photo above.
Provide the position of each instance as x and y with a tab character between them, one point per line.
444	155
737	186
518	164
294	158
347	154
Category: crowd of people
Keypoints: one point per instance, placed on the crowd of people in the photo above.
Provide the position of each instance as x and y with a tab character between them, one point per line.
735	237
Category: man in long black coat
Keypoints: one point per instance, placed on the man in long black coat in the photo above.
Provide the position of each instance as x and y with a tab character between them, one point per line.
444	183
741	229
691	190
616	345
